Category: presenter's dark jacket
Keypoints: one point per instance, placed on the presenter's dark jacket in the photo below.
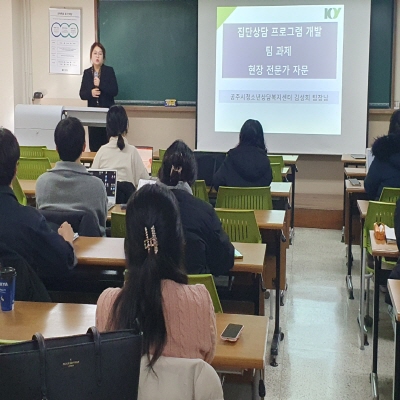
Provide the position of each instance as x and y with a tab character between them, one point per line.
208	248
385	168
108	87
244	166
24	230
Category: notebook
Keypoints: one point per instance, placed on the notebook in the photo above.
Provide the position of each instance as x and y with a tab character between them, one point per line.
358	156
146	154
109	179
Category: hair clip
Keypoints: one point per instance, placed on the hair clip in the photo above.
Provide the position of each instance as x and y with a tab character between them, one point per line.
151	242
178	170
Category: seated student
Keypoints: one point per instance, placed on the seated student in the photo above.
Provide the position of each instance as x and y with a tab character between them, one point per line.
384	170
246	165
208	248
69	186
177	319
120	155
23	229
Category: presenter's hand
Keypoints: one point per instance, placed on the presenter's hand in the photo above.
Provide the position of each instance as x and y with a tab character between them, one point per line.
96	82
96	92
65	230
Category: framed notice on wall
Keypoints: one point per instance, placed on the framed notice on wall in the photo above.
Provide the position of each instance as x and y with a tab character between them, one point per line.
65	41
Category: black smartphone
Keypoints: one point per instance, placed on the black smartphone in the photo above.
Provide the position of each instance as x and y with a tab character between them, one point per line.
232	332
355	182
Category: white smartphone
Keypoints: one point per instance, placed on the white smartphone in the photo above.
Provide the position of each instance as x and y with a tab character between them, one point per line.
232	332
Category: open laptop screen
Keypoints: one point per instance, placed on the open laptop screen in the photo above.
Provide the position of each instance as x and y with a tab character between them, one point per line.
109	179
146	154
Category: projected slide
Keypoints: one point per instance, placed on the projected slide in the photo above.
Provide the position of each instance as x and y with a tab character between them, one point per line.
281	65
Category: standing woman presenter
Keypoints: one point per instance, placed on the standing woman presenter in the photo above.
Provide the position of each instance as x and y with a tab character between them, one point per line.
99	87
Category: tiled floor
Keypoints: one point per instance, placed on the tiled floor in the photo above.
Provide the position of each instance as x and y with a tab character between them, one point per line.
320	356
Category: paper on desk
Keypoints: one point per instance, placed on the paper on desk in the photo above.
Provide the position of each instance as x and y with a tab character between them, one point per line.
143	182
390	235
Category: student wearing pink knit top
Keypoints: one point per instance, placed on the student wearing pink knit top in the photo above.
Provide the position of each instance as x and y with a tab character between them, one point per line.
177	319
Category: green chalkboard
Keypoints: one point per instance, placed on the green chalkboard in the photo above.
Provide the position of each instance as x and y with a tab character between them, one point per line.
152	46
380	59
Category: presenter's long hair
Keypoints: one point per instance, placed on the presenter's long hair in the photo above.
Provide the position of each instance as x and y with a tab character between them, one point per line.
394	126
117	124
140	300
252	134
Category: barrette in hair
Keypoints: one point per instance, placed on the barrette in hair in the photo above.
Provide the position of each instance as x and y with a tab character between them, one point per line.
178	170
151	242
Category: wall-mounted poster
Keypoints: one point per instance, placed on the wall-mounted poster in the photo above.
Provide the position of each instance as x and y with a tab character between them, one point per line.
65	41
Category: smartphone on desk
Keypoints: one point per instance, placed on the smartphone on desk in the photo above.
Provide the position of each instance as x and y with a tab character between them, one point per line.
355	182
232	332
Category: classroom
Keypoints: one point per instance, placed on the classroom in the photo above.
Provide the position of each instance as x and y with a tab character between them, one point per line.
318	221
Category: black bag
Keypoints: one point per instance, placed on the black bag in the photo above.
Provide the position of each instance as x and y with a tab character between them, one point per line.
83	367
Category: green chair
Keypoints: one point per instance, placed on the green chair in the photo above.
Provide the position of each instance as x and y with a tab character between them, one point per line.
208	281
161	153
276	172
200	190
377	212
31	168
118	224
240	225
52	155
273	159
32	151
252	198
155	167
390	195
19	194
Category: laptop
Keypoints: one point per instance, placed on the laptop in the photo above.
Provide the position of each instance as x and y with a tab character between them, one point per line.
109	179
146	154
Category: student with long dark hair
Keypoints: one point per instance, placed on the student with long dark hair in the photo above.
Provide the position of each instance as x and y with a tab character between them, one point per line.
208	248
246	165
120	155
177	319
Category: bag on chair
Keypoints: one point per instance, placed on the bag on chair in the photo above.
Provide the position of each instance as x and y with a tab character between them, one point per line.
92	366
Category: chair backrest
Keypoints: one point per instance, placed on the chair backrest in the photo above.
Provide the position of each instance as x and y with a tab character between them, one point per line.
249	198
240	225
276	172
118	224
390	195
19	193
199	189
377	212
161	153
208	164
276	159
208	281
52	155
155	167
32	151
82	222
31	168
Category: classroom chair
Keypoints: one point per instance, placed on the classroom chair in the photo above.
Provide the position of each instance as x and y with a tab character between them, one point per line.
240	225
276	172
52	155
118	224
377	212
161	153
155	167
19	194
273	159
208	281
390	195
31	168
249	198
32	151
199	189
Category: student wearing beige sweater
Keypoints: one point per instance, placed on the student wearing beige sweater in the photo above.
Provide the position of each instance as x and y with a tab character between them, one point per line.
177	319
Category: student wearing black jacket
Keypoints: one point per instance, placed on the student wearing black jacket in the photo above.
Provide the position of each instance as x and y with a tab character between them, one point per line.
207	247
246	165
99	87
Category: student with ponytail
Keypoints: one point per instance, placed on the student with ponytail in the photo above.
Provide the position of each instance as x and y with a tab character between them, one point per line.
120	155
177	319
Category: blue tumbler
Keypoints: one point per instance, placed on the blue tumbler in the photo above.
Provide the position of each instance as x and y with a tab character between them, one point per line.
7	288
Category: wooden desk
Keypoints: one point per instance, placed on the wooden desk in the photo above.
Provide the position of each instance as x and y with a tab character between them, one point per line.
379	249
362	206
28	187
88	157
347	160
394	291
58	319
358	173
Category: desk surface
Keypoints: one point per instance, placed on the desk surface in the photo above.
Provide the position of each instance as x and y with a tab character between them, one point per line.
354	189
348	159
58	319
88	156
394	291
355	172
362	206
109	252
381	249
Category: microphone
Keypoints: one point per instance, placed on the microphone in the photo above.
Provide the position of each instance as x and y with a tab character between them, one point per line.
96	75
